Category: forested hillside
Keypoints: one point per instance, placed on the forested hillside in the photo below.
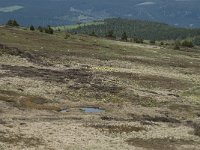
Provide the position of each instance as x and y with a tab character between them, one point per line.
137	28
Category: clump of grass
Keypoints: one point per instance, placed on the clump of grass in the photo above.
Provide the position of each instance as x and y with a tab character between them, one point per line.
149	102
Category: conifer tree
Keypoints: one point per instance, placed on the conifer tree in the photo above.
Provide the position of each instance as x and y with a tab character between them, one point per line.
32	28
124	37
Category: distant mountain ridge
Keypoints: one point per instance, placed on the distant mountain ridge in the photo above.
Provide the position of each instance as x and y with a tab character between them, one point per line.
184	13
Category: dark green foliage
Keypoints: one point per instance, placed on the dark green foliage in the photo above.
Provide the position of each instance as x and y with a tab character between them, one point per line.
135	28
32	28
67	35
187	43
138	40
12	23
161	43
48	30
110	34
176	47
177	42
40	29
93	33
196	40
124	37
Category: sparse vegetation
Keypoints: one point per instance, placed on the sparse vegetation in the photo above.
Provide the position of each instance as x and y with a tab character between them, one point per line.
12	23
49	30
138	40
196	40
40	29
176	47
187	43
32	28
124	37
93	33
67	35
110	34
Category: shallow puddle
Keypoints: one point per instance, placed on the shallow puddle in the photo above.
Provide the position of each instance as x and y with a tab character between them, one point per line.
92	110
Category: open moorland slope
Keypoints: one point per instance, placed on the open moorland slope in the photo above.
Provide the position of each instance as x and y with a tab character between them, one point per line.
93	93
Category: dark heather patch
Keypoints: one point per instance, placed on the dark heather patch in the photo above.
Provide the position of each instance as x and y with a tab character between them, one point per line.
154	119
82	77
118	128
158	144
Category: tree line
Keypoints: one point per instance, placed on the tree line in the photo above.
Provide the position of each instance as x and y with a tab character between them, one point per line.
137	30
14	23
116	29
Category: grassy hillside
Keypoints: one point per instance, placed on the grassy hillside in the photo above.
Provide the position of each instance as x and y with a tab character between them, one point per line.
149	94
136	28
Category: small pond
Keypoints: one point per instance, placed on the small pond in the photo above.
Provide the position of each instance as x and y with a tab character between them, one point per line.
92	110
